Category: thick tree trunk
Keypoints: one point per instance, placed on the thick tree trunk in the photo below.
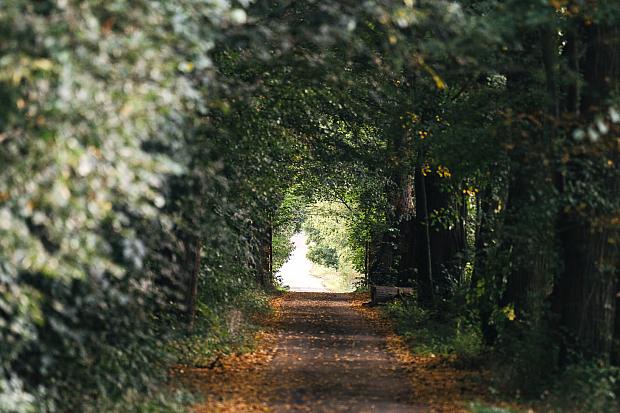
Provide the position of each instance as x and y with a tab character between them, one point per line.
394	264
382	265
447	243
406	233
615	353
439	249
588	286
422	245
530	215
530	244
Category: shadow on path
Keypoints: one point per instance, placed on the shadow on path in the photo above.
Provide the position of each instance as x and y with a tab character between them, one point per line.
330	358
322	354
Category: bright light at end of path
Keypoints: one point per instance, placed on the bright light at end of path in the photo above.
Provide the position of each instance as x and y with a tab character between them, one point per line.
295	273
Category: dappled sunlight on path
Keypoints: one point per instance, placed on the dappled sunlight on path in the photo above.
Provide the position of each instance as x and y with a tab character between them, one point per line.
330	358
329	352
321	354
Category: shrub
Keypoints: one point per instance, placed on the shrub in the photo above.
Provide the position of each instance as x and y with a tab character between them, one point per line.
586	386
526	359
427	332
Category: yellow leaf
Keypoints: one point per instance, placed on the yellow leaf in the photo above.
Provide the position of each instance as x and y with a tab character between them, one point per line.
509	312
443	172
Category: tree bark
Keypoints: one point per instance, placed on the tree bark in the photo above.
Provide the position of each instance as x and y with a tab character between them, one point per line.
486	282
423	247
530	215
588	285
406	233
367	263
265	256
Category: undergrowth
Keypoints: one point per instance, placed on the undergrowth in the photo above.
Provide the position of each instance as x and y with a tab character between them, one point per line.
524	364
586	386
435	332
226	329
157	402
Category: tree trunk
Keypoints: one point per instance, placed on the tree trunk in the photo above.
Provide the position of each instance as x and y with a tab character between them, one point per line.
588	286
530	221
193	251
447	242
406	233
486	282
367	263
530	214
422	245
265	257
615	353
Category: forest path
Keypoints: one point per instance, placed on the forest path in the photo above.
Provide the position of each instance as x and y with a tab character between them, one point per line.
296	271
323	354
331	358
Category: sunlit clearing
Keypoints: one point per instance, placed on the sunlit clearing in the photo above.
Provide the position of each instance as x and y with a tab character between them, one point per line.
296	272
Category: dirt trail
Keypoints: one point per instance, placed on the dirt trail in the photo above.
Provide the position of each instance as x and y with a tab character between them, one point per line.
323	355
332	359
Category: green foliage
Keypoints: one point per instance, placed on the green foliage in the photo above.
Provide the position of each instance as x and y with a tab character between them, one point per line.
287	222
282	248
324	255
527	360
162	402
221	328
99	104
585	387
430	332
134	131
328	227
482	408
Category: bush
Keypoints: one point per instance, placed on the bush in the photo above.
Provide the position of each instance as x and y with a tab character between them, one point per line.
430	331
526	359
83	192
132	401
220	328
585	386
